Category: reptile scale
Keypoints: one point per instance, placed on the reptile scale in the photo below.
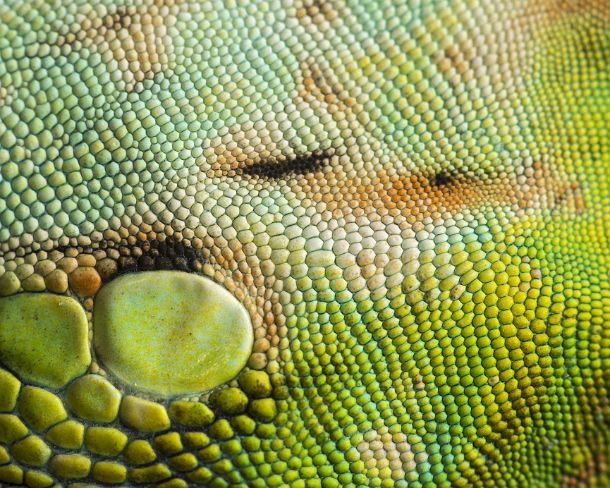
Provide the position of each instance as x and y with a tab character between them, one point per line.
305	243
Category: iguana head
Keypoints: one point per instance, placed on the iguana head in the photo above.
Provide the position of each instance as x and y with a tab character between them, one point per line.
304	243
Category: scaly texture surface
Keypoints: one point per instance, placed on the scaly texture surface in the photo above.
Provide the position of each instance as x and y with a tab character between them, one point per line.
409	199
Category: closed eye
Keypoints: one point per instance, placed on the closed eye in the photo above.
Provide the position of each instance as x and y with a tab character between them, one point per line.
277	169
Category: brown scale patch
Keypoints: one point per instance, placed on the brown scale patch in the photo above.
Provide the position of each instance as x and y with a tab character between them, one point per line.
85	281
317	10
416	195
227	159
134	37
455	62
559	8
532	16
317	85
438	193
570	194
237	276
457	57
242	147
593	472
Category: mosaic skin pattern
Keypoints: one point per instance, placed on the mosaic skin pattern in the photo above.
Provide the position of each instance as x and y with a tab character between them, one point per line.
410	199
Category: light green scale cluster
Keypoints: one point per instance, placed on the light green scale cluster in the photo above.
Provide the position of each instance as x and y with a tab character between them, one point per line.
300	243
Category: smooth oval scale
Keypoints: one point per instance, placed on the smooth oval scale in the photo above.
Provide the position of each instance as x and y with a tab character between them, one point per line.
170	333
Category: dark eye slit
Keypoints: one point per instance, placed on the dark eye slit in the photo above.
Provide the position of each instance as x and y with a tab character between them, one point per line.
281	168
443	178
449	177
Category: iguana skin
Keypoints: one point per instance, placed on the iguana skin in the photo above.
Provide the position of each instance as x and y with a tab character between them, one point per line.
411	198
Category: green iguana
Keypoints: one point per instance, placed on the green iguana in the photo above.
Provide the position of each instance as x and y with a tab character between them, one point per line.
305	243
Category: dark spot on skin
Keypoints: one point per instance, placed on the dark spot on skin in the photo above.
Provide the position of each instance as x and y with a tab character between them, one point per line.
442	178
146	263
287	167
169	254
127	264
149	255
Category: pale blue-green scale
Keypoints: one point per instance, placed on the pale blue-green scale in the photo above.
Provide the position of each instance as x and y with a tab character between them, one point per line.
348	42
415	135
268	83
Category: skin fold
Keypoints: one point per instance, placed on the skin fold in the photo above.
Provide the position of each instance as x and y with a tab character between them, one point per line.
410	199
